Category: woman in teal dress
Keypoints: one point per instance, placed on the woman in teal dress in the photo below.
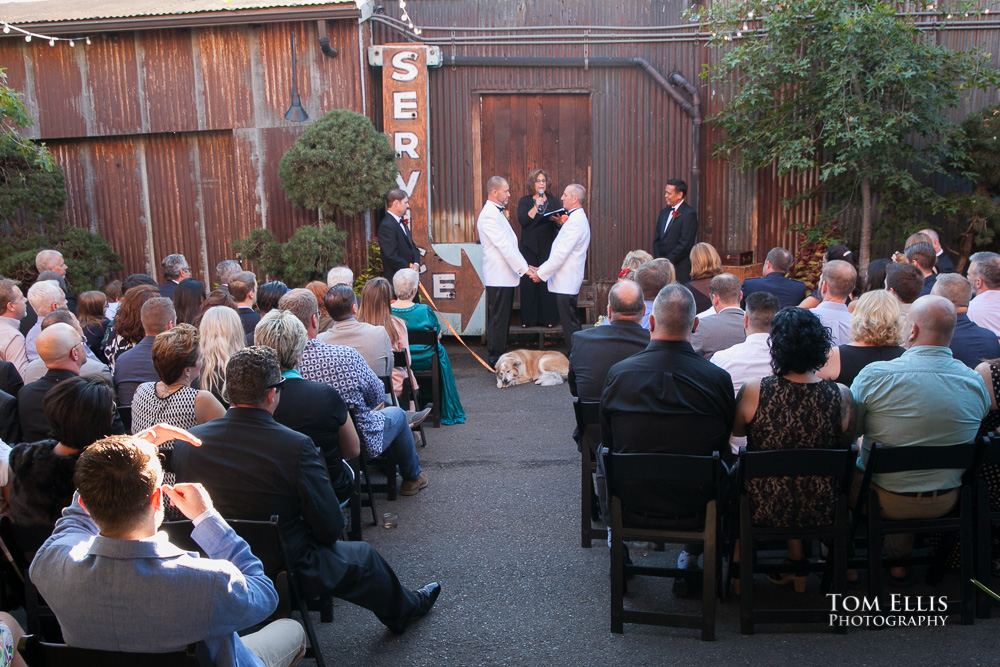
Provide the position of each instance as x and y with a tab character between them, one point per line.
420	317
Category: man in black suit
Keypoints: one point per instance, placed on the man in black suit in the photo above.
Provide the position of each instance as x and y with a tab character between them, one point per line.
676	230
394	237
669	399
944	263
254	467
790	292
971	343
596	350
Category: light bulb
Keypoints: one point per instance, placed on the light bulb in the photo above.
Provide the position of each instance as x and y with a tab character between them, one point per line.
27	38
72	43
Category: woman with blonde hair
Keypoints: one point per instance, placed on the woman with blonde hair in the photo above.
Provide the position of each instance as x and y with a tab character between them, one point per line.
876	332
376	309
221	336
705	265
633	261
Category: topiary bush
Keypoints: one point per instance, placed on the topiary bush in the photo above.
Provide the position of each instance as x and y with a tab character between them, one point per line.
89	258
306	256
340	162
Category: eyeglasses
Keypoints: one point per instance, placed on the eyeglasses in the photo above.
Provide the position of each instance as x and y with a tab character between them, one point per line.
277	385
541	180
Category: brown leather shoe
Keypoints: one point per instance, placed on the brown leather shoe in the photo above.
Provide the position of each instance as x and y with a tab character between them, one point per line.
411	487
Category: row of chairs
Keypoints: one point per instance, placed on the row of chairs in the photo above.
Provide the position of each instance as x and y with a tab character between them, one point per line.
970	521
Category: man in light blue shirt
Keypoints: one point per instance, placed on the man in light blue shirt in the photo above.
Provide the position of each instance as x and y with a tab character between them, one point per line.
925	397
835	285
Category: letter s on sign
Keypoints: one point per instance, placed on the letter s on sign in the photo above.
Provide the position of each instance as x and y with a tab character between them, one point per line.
404	70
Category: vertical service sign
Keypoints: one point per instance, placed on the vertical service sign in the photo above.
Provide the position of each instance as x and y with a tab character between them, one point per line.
453	283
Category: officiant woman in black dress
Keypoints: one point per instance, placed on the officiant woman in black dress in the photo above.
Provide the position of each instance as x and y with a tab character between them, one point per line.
537	234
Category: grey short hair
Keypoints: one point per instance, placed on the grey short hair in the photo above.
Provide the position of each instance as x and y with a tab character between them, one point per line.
300	302
340	275
674	310
780	259
226	269
43	293
282	331
47	259
954	287
987	266
726	286
495	183
172	265
579	192
404	283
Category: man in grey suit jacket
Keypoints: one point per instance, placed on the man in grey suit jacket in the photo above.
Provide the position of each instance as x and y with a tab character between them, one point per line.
370	341
725	328
114	587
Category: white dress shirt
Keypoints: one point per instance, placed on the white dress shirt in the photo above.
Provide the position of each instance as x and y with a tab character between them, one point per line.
750	360
837	318
984	310
503	264
563	270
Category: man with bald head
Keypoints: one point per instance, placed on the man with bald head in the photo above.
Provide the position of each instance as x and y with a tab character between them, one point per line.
835	285
900	403
970	343
91	366
669	399
62	350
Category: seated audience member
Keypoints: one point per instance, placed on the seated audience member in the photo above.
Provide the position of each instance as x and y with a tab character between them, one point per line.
175	269
61	348
773	281
990	372
78	411
44	297
705	265
225	270
114	586
319	290
633	261
126	331
51	266
834	252
795	409
984	274
944	263
243	289
221	337
596	350
188	297
876	332
875	276
751	360
339	275
372	342
971	343
135	366
670	399
904	281
376	309
835	285
268	296
346	371
254	468
420	317
91	366
921	255
113	291
901	403
177	359
216	298
13	308
137	279
90	314
652	277
724	328
310	408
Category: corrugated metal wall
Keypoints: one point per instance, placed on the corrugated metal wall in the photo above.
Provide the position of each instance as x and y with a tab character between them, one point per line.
171	139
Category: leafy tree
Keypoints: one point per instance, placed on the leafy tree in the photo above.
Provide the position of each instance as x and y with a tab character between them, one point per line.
843	89
340	162
14	118
307	256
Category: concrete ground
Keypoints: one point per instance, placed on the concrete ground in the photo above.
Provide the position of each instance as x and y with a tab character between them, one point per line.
498	527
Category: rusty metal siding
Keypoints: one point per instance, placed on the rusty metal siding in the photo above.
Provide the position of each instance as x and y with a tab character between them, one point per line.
63	108
112	84
168	80
227	78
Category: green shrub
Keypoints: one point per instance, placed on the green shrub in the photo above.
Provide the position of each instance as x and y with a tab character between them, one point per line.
374	268
307	256
341	162
89	258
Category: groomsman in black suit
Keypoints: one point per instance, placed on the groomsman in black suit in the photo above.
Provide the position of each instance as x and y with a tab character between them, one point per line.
394	237
676	230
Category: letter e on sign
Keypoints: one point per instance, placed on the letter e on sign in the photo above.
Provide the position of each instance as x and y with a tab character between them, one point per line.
404	104
443	285
403	69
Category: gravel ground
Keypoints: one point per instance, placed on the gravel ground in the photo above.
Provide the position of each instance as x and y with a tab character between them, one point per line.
498	528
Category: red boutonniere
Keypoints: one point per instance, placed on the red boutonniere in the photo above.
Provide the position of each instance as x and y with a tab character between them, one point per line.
506	214
562	219
675	213
624	272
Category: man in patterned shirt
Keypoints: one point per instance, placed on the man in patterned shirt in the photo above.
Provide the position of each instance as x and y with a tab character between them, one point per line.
344	369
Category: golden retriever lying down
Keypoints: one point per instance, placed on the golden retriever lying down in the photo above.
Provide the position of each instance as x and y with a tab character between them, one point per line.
522	366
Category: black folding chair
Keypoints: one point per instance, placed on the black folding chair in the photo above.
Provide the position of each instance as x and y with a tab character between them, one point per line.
985	518
37	653
401	359
658	471
267	543
838	464
588	415
19	545
430	340
961	520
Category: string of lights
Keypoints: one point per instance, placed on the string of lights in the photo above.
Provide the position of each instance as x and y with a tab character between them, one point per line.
406	18
28	36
